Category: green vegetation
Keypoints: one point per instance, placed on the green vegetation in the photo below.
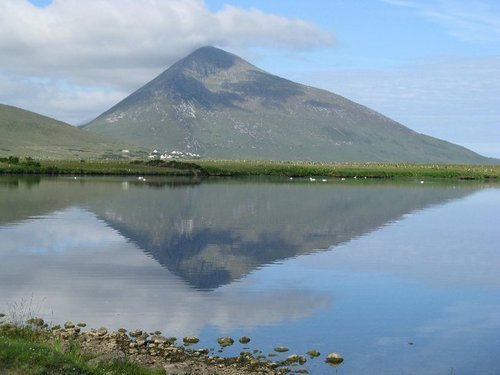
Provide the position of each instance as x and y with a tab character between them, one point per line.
30	134
16	165
29	351
348	170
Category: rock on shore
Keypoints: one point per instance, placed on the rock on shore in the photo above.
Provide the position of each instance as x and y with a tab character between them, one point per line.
158	351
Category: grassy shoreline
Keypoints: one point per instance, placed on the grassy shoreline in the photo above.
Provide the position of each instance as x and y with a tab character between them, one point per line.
34	347
27	350
229	168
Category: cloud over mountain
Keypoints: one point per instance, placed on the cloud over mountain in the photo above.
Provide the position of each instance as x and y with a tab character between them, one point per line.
109	40
96	52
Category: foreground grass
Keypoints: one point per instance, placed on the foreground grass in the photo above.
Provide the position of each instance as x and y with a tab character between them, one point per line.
24	350
251	168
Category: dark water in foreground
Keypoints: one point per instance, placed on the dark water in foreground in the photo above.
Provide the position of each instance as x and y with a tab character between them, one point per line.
398	278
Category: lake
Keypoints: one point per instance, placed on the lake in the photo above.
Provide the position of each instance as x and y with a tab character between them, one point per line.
399	278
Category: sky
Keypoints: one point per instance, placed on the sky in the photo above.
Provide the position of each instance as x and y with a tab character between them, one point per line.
432	65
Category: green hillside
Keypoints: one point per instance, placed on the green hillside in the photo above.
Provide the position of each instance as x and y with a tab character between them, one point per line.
25	133
220	106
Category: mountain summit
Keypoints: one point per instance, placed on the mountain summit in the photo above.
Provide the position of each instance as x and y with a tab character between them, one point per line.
220	106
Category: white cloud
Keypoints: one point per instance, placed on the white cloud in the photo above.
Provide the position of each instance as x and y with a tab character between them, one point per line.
104	41
472	21
73	59
57	98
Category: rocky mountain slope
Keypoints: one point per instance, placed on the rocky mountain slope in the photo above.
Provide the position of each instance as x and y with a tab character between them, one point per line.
220	106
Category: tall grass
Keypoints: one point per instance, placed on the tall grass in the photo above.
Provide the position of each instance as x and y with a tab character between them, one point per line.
20	312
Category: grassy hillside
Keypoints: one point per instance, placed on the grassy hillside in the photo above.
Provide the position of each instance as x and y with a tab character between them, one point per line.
26	133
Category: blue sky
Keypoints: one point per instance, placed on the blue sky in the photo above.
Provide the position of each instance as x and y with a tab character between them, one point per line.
433	65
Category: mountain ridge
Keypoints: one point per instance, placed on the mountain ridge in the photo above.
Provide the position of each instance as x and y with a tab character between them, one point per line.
218	105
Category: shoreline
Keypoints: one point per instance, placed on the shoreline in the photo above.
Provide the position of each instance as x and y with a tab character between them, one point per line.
152	350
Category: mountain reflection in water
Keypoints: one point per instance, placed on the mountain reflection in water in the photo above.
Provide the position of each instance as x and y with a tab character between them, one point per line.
212	234
388	264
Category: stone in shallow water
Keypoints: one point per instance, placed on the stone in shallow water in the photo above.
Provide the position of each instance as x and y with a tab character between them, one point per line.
295	358
334	359
188	340
225	341
69	325
313	353
244	340
135	333
280	349
82	324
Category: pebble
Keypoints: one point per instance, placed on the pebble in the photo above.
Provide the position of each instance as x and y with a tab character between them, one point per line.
188	340
244	340
225	341
280	349
135	333
313	353
102	332
334	359
295	358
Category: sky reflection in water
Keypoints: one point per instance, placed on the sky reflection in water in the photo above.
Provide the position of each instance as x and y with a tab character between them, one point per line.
364	270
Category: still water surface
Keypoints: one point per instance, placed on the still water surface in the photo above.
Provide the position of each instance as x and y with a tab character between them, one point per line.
398	278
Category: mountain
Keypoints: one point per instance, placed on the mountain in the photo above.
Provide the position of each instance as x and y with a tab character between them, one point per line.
25	133
220	106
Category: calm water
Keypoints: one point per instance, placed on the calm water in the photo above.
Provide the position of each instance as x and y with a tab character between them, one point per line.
398	278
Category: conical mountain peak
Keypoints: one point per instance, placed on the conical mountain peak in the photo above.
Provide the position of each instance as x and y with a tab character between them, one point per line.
211	56
216	104
209	60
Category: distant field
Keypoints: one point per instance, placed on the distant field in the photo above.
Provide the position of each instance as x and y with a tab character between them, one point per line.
348	170
249	168
97	167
